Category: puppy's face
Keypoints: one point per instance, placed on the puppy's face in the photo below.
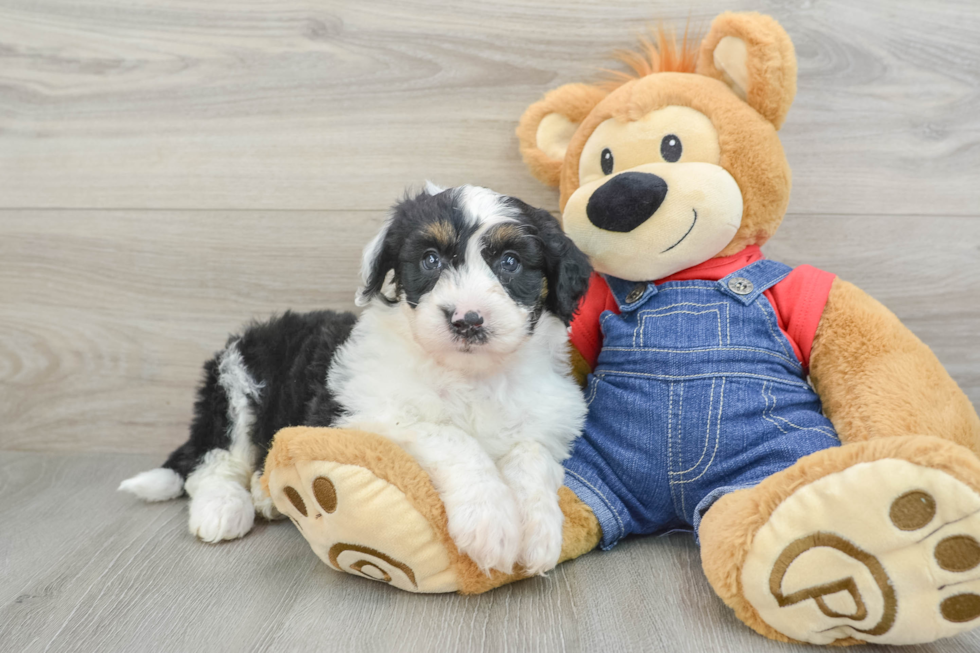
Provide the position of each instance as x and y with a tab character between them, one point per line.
474	272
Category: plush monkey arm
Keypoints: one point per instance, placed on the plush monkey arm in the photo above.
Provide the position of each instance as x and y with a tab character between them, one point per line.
585	338
876	378
580	367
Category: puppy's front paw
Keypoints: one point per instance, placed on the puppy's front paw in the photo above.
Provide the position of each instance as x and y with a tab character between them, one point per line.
543	521
485	525
221	510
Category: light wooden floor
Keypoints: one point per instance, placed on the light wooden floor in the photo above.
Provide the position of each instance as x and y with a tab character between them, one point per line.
170	168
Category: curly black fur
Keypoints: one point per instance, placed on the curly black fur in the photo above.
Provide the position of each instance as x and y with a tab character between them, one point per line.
288	356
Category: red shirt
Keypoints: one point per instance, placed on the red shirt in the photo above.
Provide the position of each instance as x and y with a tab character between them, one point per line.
798	300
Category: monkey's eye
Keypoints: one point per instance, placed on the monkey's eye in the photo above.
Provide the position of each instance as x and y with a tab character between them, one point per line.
606	161
509	262
431	260
671	148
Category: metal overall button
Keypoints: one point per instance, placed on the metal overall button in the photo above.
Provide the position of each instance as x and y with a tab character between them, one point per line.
636	293
738	285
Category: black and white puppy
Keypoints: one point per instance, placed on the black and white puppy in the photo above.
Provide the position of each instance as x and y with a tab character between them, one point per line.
460	357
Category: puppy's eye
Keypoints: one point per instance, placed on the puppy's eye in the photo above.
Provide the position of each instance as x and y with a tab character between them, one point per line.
431	260
606	161
510	263
671	148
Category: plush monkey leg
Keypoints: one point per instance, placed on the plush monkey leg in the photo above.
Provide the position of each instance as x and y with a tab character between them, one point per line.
877	541
876	379
367	508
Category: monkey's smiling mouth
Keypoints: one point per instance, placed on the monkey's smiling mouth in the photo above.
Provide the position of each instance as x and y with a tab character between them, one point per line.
686	234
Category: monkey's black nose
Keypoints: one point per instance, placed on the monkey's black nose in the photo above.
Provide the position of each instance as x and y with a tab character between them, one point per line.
626	201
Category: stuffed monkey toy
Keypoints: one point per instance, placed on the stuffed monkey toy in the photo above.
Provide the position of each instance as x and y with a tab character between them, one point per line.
822	456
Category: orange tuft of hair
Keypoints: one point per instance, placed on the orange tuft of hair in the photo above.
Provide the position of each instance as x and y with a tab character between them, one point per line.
658	52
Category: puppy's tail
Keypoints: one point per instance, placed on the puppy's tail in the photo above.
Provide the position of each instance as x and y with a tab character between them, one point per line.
208	431
160	484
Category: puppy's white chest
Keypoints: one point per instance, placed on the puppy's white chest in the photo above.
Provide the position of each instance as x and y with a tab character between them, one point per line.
480	410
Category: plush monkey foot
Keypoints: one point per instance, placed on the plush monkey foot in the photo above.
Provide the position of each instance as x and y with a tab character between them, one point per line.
368	509
871	542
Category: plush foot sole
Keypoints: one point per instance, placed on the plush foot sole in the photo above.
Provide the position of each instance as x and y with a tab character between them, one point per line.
886	551
361	524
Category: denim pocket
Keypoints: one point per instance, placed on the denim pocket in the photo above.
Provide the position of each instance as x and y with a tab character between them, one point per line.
689	325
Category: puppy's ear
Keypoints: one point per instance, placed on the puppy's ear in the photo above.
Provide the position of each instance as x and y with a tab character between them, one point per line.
567	268
381	254
547	127
752	54
379	258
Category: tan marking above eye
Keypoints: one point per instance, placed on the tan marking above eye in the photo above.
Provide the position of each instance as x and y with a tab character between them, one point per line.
295	499
637	142
505	234
443	233
325	493
913	510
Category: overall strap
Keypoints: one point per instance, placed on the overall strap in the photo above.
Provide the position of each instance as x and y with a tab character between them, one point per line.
630	295
747	284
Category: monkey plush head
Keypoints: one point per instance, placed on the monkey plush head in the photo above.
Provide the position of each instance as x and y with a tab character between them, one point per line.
681	162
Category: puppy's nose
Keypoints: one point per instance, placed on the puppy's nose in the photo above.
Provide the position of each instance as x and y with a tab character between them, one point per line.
467	320
626	201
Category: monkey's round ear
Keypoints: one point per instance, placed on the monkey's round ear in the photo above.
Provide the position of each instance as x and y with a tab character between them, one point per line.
752	54
547	127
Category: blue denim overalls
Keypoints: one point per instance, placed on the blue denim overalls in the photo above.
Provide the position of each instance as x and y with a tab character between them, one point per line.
696	393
